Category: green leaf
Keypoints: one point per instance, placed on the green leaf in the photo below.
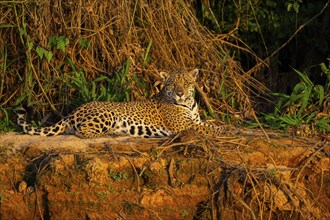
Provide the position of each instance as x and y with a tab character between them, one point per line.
21	31
124	72
30	45
320	91
61	45
40	52
52	41
103	92
290	121
304	77
147	55
72	64
324	68
282	95
305	99
48	55
298	88
296	7
101	78
323	124
84	43
289	7
62	42
93	91
20	99
66	41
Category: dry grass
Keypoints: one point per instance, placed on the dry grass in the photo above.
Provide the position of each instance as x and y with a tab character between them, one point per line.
117	31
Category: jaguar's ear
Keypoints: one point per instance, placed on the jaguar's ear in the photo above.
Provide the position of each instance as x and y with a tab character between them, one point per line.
164	75
193	73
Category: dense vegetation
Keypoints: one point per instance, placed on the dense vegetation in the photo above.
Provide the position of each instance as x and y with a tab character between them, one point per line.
59	54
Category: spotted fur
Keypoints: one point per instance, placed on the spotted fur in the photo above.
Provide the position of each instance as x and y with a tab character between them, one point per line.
172	110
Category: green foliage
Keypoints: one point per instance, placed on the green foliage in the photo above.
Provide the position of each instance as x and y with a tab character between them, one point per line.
43	52
293	5
262	25
227	95
184	213
5	123
304	106
84	43
59	41
147	56
117	176
103	88
101	195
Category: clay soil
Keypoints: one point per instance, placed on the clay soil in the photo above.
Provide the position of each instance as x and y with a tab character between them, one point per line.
184	177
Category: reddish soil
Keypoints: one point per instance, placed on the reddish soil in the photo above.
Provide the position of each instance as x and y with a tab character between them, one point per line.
187	177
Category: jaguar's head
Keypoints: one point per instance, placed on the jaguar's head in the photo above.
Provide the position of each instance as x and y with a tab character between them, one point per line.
179	87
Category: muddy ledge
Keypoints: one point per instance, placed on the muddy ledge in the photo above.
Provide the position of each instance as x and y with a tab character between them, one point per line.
188	177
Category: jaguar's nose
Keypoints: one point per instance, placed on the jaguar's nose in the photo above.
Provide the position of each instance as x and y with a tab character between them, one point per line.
179	93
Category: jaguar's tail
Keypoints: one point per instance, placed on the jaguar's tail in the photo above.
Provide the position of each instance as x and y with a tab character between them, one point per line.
52	130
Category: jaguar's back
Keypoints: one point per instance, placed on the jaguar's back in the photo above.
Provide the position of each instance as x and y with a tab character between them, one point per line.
172	110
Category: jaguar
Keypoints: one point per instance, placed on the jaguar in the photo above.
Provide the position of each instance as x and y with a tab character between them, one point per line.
170	111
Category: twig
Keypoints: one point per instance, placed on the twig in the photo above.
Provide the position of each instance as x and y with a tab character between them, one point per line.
266	60
136	174
307	162
257	120
245	205
298	30
170	173
205	100
37	200
41	86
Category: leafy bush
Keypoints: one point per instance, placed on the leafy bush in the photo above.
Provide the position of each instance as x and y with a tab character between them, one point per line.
307	105
103	88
